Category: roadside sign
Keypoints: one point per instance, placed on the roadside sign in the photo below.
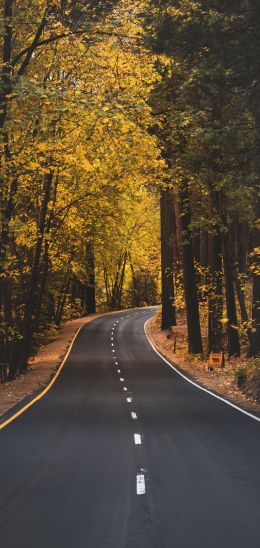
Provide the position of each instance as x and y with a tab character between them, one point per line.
216	360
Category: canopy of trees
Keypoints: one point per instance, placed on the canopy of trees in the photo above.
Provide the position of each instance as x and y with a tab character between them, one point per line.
110	113
206	115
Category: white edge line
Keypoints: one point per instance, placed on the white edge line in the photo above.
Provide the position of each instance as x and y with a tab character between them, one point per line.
197	385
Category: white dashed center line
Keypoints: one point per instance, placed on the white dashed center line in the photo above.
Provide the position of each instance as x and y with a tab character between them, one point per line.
137	439
140	484
140	479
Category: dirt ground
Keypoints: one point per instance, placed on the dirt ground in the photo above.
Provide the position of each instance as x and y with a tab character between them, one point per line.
220	381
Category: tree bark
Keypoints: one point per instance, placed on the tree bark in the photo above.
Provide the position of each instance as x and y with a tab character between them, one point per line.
167	259
256	292
90	294
189	274
232	324
31	298
215	299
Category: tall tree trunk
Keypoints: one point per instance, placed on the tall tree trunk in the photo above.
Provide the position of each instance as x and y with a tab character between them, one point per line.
256	292
232	324
90	293
63	299
167	259
135	284
215	299
237	267
242	240
253	12
121	282
5	88
189	274
32	294
178	230
243	310
256	315
40	296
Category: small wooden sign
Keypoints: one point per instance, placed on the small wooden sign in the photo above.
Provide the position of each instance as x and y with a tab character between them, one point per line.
216	360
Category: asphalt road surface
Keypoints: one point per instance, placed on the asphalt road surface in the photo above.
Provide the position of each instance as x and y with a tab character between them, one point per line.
124	453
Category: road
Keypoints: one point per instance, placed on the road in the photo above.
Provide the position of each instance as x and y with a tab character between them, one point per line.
124	453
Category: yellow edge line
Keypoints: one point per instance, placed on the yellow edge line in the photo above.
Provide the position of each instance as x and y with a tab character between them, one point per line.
46	389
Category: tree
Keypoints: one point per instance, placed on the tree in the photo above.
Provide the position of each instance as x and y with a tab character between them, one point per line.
167	258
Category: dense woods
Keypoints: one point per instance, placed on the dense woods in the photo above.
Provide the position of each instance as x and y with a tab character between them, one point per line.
205	108
116	119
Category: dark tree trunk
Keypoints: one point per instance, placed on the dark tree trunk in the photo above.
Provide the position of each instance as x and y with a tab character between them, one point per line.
40	296
234	237
215	298
189	274
90	293
178	230
232	324
135	284
204	248
243	310
31	299
256	290
256	315
253	13
167	258
114	294
242	241
63	299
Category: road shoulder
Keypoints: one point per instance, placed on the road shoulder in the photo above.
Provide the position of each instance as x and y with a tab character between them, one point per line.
41	369
219	382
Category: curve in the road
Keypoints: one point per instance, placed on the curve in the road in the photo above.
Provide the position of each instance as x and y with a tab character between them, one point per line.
251	415
149	461
45	390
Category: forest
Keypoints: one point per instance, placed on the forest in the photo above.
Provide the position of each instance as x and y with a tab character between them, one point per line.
129	168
